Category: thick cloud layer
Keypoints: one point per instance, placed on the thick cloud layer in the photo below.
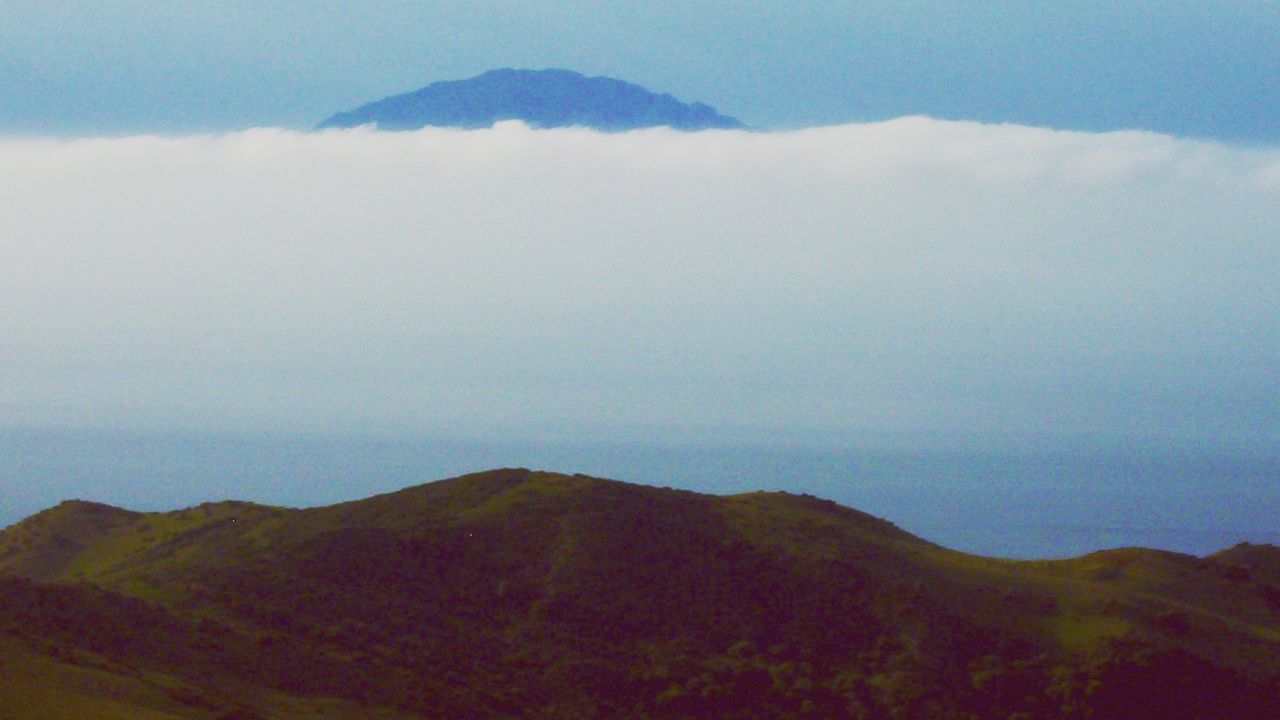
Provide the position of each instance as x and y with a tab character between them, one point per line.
913	280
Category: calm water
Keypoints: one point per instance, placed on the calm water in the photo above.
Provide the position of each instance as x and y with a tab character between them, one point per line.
1007	504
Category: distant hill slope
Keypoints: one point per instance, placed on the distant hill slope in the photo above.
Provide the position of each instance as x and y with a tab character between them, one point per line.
540	98
515	593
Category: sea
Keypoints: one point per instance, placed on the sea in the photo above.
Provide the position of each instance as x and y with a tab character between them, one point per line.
1012	503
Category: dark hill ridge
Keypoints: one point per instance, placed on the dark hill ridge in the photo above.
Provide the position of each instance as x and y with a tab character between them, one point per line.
515	593
540	98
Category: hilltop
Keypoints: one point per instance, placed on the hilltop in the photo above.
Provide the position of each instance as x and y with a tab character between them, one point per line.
515	593
539	98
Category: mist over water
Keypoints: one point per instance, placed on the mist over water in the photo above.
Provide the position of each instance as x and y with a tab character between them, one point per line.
1007	339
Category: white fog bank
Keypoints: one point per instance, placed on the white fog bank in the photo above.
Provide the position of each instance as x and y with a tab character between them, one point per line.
950	281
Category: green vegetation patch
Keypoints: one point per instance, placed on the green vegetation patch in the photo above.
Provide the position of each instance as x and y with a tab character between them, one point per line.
1087	632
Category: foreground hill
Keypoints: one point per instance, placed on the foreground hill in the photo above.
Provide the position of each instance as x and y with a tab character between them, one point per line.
524	594
540	98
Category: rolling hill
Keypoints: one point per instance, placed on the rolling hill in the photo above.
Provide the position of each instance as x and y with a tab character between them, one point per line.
514	593
539	98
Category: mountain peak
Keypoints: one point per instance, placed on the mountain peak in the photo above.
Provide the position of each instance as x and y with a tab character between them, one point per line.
547	98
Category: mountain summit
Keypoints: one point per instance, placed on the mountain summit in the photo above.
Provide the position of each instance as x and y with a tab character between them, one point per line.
540	98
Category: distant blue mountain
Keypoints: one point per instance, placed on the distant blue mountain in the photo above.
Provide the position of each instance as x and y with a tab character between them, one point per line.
540	98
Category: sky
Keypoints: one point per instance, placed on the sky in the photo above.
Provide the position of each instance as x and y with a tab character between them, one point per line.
1207	69
977	226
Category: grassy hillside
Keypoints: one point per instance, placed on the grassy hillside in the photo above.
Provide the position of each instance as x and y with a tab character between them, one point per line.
524	594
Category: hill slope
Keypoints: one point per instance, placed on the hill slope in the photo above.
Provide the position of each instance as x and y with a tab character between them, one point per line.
524	594
540	98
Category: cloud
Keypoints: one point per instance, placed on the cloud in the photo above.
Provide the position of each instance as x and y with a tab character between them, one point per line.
911	279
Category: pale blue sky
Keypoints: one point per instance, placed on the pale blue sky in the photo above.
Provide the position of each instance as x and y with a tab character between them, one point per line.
1209	69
